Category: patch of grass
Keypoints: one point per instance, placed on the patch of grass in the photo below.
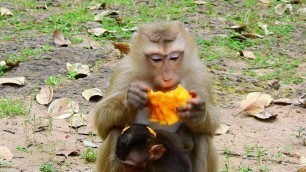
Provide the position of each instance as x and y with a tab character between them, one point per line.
5	165
54	80
47	167
279	155
28	53
143	13
9	107
284	69
227	151
76	40
260	152
71	22
23	149
208	50
26	4
90	155
245	169
282	30
256	151
233	43
72	74
249	73
3	68
265	168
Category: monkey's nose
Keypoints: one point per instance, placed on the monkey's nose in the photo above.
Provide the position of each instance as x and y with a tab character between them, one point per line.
167	79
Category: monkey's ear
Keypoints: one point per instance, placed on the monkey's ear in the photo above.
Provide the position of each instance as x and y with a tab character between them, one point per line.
156	152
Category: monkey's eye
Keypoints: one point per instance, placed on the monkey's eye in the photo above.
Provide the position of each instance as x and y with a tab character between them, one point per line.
156	58
174	56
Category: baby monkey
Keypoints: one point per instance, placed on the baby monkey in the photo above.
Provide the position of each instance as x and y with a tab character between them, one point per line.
141	149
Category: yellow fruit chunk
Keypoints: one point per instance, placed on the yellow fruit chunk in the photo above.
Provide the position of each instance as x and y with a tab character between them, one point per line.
163	105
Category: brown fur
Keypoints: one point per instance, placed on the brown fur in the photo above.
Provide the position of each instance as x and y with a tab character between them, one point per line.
112	113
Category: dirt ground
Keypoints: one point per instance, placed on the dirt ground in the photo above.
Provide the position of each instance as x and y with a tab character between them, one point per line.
32	131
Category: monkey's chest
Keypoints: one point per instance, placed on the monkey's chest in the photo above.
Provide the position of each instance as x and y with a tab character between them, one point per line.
143	117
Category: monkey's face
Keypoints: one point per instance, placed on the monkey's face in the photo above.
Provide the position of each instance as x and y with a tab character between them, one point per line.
164	68
160	50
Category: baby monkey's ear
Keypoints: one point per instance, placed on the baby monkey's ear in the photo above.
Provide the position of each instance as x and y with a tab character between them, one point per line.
156	152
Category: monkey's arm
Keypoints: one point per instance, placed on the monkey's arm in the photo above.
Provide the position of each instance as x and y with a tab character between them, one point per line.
202	115
206	121
108	114
112	111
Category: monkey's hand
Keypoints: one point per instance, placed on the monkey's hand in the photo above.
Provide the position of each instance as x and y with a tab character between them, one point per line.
137	95
193	110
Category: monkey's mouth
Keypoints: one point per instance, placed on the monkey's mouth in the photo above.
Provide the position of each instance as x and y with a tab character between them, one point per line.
169	88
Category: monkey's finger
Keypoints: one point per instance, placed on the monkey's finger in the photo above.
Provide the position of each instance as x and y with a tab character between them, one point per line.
137	91
196	101
193	93
184	108
137	100
142	86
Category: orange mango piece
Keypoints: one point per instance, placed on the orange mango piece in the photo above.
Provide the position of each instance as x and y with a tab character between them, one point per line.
163	105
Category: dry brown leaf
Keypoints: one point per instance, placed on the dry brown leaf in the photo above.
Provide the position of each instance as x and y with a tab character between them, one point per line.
2	63
255	103
265	28
98	6
63	108
85	130
42	6
99	31
45	95
100	16
254	108
265	115
89	43
251	35
296	2
92	92
66	152
79	68
281	8
247	54
5	12
14	80
283	101
89	144
129	29
263	98
239	37
199	2
59	39
223	128
12	64
287	101
122	47
78	120
238	28
5	153
265	1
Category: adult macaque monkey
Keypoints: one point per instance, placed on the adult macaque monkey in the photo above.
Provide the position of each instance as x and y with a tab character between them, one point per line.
162	55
